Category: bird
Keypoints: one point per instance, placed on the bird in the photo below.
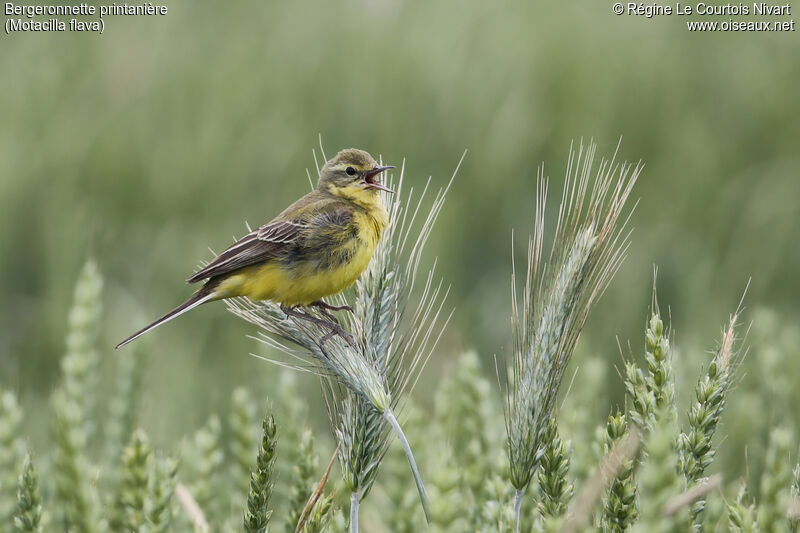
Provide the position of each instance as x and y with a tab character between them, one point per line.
315	248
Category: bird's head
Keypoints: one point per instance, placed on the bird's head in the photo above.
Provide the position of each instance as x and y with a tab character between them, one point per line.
353	174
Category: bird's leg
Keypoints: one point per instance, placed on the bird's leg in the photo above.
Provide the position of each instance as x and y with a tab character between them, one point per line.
326	306
335	328
329	316
293	312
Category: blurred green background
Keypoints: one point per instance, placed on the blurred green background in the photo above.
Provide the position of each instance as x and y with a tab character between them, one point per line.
146	145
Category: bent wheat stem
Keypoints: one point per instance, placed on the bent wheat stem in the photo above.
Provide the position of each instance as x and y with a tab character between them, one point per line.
423	495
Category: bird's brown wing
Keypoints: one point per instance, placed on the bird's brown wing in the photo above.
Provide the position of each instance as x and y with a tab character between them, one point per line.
255	247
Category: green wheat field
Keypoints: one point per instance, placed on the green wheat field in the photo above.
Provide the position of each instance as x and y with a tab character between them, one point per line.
630	362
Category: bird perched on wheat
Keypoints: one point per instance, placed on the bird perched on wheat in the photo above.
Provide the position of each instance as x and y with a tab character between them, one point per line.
315	248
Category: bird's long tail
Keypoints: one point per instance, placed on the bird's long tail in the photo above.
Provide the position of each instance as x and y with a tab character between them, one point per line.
200	297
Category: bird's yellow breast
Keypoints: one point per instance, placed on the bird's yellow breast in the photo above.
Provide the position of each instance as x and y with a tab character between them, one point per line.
315	276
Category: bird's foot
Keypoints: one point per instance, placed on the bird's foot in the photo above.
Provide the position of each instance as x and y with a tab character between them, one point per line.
341	333
333	325
328	307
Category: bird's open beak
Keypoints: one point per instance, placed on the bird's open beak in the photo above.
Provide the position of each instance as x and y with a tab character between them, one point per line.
372	182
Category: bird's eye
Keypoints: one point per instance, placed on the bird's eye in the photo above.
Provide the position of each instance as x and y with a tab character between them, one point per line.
350	171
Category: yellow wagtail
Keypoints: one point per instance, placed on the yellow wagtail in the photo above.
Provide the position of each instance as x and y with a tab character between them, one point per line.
315	248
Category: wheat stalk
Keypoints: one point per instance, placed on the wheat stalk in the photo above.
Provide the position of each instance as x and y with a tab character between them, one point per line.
560	289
